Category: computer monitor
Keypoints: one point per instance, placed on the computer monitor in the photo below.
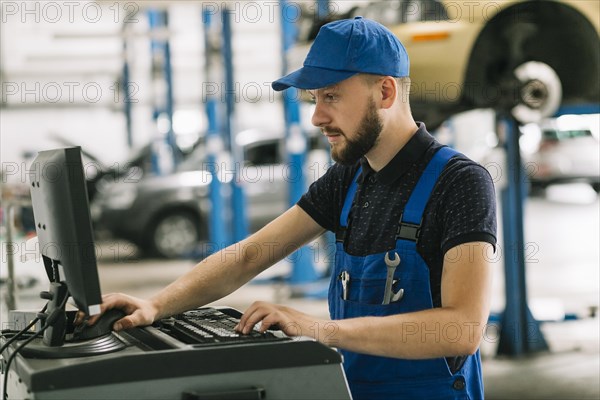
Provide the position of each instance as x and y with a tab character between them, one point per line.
64	229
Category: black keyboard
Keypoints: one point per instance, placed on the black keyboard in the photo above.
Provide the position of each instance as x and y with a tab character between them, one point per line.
213	326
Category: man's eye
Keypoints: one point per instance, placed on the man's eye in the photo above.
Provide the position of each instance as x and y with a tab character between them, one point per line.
330	97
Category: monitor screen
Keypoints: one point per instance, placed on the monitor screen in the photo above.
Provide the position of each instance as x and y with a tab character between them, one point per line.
63	224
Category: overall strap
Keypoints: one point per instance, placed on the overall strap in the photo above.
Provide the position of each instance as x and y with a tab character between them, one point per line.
410	220
347	206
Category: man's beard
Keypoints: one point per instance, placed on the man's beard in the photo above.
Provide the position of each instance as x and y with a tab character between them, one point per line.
366	136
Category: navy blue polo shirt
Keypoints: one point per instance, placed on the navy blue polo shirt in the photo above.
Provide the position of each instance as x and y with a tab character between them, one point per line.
461	209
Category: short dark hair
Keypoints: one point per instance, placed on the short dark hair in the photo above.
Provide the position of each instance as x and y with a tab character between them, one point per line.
402	82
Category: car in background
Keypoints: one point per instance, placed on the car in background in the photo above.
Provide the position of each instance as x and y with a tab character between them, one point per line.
97	172
168	215
566	153
528	57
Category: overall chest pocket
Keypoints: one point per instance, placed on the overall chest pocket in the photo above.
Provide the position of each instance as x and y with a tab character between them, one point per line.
369	290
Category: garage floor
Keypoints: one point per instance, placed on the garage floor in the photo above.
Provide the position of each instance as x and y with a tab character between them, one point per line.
562	235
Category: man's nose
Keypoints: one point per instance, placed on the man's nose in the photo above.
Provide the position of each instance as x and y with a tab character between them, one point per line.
320	116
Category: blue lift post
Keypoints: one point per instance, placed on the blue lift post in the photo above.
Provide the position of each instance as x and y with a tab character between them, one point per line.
239	220
161	51
218	234
171	140
303	270
520	333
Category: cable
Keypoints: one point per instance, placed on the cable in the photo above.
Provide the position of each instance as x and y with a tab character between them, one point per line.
22	331
49	321
14	354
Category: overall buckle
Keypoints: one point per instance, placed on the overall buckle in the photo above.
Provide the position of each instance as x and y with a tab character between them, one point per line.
408	231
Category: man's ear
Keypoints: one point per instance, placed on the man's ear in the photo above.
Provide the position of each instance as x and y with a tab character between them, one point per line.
389	91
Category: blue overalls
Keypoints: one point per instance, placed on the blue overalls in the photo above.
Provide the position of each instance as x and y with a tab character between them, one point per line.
374	377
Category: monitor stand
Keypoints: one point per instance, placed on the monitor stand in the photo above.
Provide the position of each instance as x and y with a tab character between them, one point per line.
53	345
56	316
102	345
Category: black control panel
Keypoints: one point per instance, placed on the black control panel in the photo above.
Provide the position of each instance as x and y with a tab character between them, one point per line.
211	326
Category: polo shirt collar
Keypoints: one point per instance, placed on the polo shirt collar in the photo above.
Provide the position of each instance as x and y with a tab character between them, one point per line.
406	158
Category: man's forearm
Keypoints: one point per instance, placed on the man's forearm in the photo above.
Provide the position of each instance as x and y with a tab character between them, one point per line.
213	278
221	273
225	271
440	332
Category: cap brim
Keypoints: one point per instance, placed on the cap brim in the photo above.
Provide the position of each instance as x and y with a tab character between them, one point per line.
311	78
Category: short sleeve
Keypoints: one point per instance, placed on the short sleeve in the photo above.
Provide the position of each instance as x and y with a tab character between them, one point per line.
467	210
322	198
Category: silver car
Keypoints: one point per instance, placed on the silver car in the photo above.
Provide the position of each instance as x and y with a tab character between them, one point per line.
168	215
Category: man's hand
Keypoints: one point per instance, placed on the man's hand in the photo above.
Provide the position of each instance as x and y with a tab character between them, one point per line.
292	322
139	312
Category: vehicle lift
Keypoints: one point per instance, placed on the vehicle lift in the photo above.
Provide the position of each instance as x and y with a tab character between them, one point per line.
520	333
304	280
303	270
215	144
165	152
220	138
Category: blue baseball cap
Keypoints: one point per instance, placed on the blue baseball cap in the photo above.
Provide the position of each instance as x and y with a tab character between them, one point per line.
347	47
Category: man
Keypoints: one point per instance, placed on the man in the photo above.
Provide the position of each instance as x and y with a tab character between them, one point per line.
395	197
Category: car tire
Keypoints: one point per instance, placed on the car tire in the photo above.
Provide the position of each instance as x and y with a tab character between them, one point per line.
530	58
175	235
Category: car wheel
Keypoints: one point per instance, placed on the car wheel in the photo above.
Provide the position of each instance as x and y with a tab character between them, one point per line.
539	92
176	235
